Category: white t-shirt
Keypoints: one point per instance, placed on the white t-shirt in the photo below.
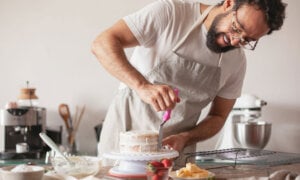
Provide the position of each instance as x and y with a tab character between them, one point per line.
159	26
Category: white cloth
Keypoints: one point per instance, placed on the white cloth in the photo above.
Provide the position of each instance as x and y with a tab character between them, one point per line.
159	26
284	174
277	175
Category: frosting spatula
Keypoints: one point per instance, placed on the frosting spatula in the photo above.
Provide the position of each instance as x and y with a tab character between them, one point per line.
166	117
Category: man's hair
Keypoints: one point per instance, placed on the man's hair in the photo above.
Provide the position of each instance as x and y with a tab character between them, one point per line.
274	11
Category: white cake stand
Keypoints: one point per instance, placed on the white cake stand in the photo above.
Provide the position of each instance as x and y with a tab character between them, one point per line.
134	164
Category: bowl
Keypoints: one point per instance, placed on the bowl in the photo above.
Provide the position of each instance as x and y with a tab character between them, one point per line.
22	172
252	134
82	166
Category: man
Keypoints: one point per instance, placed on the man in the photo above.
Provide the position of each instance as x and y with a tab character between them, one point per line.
190	46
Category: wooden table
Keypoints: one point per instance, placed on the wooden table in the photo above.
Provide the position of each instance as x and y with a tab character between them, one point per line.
252	171
229	172
239	172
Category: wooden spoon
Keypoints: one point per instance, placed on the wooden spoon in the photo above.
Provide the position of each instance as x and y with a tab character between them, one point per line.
65	114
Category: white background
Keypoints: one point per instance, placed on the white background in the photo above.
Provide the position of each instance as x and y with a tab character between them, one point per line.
47	42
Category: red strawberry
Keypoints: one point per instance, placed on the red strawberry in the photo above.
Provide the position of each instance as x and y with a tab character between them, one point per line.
166	162
154	165
157	164
155	177
162	171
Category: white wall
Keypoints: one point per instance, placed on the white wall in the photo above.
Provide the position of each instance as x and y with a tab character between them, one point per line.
274	75
48	44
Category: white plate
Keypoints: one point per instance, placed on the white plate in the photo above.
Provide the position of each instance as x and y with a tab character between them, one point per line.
174	177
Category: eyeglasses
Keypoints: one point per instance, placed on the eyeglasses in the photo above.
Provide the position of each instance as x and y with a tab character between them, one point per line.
237	34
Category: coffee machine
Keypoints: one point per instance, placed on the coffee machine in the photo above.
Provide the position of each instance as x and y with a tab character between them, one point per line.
20	126
244	127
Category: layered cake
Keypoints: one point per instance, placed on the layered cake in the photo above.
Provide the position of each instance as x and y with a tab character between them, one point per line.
138	141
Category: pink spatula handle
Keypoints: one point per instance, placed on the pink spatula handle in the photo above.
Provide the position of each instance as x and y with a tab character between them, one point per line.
167	114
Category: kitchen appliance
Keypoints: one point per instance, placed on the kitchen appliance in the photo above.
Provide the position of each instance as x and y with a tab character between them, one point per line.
21	125
243	127
252	134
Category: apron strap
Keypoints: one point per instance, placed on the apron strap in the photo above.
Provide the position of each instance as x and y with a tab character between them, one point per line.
195	25
220	60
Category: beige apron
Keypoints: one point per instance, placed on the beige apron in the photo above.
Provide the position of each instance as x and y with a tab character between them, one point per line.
197	84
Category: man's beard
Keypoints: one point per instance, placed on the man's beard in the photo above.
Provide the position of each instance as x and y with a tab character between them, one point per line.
213	34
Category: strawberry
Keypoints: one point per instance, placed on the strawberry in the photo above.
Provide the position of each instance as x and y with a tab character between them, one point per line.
161	172
155	177
154	165
166	162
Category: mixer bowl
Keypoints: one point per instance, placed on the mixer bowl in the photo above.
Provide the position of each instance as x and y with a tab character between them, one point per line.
252	134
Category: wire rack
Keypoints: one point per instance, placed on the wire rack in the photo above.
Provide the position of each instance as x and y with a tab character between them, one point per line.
243	156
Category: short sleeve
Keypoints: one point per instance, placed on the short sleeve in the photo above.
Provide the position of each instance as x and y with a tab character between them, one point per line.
149	22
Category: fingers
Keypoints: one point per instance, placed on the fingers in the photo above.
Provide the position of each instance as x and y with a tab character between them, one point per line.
155	105
168	102
168	147
160	97
160	103
173	142
166	98
174	97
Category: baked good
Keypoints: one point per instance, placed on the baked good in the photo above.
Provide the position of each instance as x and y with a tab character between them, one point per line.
138	141
193	171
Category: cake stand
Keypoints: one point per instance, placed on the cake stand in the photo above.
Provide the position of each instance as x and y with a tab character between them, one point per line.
132	165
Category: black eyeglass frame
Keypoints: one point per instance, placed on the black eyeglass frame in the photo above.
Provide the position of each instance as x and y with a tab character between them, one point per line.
244	43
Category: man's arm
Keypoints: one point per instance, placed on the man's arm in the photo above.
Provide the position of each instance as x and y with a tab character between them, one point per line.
109	50
207	128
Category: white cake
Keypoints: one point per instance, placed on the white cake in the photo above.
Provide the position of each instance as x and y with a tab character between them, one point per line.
138	141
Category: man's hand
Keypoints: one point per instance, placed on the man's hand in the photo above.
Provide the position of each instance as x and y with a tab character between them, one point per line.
176	141
207	128
160	97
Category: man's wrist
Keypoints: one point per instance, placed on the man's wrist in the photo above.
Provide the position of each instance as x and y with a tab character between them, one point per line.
140	85
185	136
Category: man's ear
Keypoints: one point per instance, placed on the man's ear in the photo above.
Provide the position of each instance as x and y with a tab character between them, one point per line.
228	5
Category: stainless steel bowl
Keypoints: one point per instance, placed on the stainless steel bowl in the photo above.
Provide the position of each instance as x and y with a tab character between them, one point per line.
252	134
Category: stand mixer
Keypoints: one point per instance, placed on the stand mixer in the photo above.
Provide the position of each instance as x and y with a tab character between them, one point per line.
243	128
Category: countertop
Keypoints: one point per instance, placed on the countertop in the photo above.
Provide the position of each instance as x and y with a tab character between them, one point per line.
245	172
222	172
238	172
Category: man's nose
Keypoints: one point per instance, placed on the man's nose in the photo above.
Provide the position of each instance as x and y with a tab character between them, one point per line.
235	41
